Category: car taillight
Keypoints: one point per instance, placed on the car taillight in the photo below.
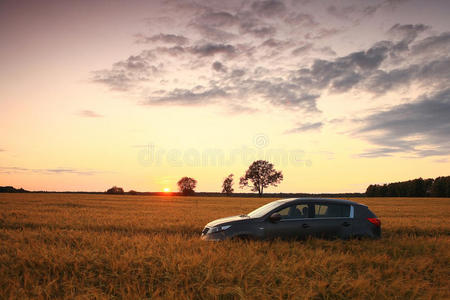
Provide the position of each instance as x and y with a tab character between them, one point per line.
374	221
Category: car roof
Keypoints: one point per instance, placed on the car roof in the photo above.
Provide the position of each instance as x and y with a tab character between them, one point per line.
318	200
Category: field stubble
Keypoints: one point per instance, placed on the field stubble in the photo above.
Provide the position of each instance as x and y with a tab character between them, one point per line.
134	247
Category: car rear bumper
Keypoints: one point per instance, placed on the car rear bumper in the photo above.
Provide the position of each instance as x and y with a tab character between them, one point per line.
377	232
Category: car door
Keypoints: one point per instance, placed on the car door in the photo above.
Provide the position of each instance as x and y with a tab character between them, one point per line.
331	220
293	223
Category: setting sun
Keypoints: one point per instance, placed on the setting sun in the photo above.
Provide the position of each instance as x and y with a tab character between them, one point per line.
166	190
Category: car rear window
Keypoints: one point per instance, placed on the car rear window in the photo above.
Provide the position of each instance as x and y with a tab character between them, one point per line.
331	211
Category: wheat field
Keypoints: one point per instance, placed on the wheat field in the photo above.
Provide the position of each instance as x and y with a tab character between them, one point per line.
84	246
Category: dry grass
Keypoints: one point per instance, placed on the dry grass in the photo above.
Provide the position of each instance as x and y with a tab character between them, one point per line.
135	247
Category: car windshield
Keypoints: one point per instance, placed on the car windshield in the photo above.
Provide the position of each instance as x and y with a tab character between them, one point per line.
259	212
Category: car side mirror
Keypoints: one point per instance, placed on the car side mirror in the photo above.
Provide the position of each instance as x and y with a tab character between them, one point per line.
275	217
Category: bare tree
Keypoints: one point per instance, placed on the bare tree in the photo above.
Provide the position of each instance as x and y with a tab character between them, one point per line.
261	174
227	185
187	185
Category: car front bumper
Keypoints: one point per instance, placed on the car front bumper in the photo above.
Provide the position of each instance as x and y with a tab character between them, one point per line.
219	236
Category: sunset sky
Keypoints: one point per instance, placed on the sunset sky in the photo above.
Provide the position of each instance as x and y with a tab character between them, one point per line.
337	94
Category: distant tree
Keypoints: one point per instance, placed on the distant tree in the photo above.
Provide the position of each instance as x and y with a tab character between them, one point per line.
132	192
441	187
261	174
187	185
115	190
382	190
227	185
428	185
392	190
371	190
447	186
417	188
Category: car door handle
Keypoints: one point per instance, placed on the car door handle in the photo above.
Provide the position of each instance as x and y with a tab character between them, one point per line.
305	226
346	224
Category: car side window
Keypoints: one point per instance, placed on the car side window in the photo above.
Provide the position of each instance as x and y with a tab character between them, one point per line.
331	211
299	211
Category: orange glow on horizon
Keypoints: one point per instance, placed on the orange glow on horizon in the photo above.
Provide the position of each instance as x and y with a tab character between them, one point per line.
166	190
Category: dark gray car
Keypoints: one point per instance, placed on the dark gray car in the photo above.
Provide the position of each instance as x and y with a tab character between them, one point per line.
298	219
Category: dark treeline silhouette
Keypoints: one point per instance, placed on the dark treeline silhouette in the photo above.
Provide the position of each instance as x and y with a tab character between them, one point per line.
439	187
10	189
196	194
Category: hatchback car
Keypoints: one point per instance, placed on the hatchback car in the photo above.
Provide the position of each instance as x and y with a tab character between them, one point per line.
298	219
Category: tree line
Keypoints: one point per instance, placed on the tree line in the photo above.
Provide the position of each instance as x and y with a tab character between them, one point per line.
439	187
260	175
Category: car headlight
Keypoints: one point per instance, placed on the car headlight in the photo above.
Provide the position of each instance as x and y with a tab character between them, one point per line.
219	228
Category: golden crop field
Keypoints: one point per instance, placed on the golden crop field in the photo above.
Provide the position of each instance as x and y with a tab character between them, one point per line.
84	246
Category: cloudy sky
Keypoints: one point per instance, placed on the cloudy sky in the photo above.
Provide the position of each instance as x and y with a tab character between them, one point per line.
337	94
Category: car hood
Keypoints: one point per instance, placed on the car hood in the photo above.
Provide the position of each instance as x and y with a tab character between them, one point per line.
227	220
